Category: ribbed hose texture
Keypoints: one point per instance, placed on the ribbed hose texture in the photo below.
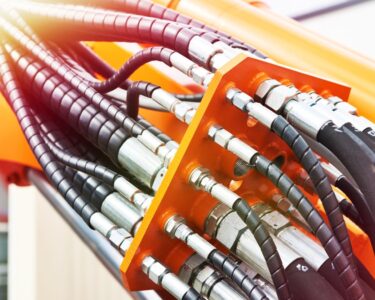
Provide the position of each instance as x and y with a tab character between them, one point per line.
53	170
359	159
148	8
80	164
132	64
321	183
115	26
310	214
267	247
232	270
74	80
70	106
93	189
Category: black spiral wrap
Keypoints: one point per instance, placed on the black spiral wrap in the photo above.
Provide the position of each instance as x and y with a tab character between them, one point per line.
313	167
232	270
266	245
359	159
53	169
306	209
66	102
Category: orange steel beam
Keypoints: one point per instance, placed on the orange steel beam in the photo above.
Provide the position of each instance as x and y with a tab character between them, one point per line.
287	42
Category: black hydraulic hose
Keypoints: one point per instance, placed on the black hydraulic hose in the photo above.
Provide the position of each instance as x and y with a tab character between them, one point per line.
96	170
349	210
367	136
321	183
99	65
232	270
135	90
51	167
308	212
102	103
360	162
357	198
132	64
70	105
267	246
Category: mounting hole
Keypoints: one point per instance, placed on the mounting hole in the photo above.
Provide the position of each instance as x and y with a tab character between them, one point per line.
241	168
279	161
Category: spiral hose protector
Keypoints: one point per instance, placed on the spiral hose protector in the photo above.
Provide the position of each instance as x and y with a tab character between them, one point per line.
117	26
308	212
360	162
106	106
267	247
321	183
53	170
132	64
229	267
71	106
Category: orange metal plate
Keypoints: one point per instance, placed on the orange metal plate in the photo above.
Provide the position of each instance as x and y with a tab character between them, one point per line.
177	196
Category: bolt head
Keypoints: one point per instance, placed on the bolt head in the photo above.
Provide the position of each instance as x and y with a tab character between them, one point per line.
231	93
196	176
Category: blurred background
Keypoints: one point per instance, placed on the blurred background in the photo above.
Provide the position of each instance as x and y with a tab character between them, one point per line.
49	262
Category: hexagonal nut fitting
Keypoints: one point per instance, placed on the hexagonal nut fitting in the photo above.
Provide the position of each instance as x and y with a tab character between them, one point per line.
125	245
190	115
172	224
240	100
214	218
189	268
147	263
213	130
264	88
231	93
142	201
278	97
197	175
117	236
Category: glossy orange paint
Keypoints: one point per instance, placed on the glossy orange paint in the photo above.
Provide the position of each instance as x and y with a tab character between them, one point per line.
176	195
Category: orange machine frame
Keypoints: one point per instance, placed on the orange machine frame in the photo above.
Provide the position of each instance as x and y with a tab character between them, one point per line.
174	194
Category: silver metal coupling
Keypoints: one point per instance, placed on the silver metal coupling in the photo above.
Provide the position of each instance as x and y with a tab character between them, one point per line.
118	237
206	280
158	147
176	228
121	212
238	98
162	276
228	141
141	200
342	105
232	232
304	118
202	51
142	163
201	179
183	111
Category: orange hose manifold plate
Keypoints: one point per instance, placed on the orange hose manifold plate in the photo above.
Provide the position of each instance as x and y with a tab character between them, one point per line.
176	196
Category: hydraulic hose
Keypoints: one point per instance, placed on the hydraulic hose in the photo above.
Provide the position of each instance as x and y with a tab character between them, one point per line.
117	26
367	136
308	212
360	162
136	61
52	169
321	183
134	91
